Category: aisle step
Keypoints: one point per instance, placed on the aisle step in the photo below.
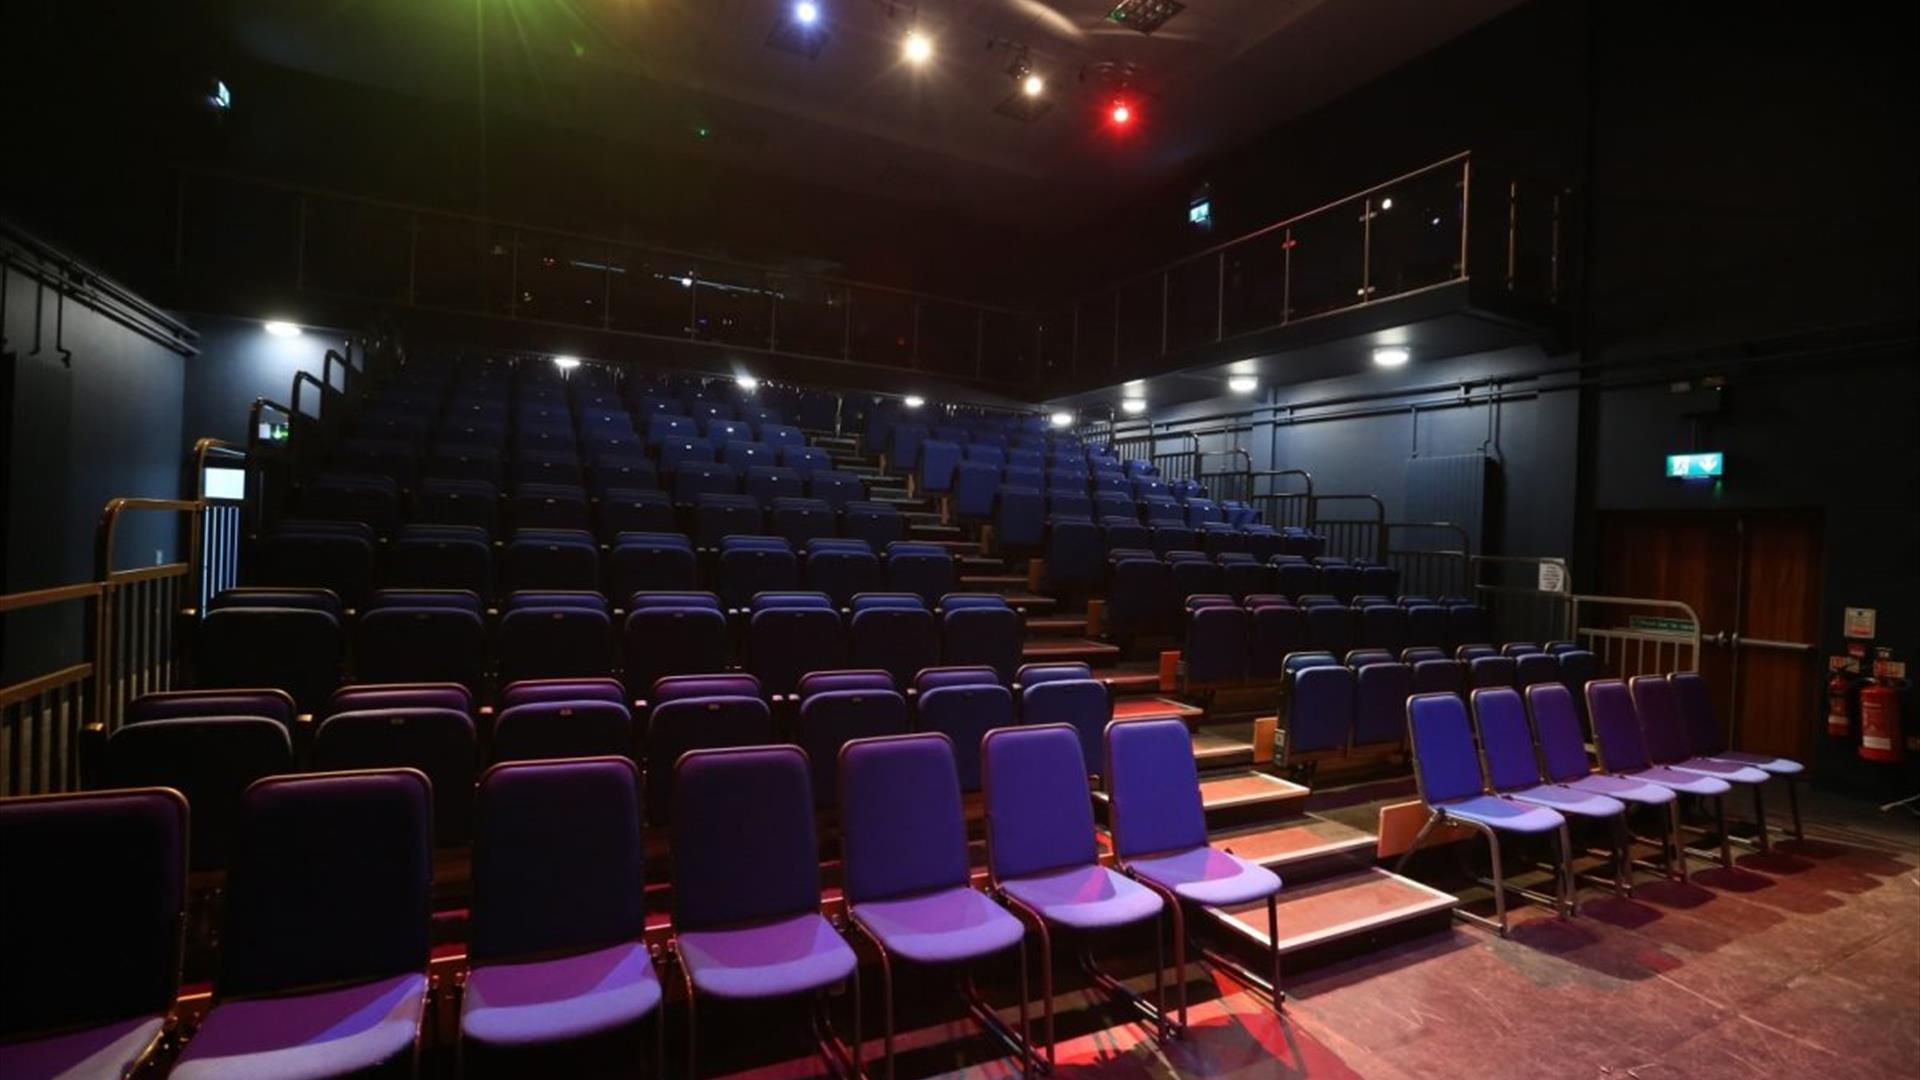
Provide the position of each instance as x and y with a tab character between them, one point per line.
1002	582
1301	849
916	531
1073	625
1132	682
1063	650
919	518
960	547
1030	603
986	564
1215	747
1127	708
1240	797
1337	917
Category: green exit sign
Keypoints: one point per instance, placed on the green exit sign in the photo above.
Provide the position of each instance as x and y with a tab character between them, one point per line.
1695	466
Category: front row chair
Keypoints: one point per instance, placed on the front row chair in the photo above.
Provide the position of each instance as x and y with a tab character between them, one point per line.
1159	829
1622	748
1042	859
323	960
908	887
746	888
559	908
70	920
1447	773
1563	753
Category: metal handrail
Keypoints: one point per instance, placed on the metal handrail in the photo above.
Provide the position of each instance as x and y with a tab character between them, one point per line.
299	378
110	524
1267	229
608	242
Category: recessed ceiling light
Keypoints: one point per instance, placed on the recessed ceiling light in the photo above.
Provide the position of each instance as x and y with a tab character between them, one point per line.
917	48
806	13
1134	405
746	382
566	363
282	328
1063	418
1033	85
1391	356
914	401
1243	384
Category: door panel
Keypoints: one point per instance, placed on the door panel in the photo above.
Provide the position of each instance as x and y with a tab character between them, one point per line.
1755	574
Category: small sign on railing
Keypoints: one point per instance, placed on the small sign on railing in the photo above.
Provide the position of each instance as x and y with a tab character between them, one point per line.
1552	577
1657	624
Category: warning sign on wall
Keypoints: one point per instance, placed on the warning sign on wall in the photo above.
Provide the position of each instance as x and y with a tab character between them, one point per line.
1553	577
1858	622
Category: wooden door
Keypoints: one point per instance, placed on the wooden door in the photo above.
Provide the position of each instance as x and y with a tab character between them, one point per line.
1751	575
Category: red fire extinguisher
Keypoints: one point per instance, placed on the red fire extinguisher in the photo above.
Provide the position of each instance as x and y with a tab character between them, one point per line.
1839	716
1880	723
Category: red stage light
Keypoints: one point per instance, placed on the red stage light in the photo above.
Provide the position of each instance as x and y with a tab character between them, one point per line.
1121	114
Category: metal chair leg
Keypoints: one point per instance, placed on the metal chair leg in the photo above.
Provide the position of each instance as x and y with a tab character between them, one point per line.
1726	842
1793	801
1569	888
1760	815
1273	947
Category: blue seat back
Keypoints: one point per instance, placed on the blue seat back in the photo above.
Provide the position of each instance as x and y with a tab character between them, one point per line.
1445	763
743	860
1616	726
902	828
1557	727
1153	787
1506	739
1039	815
1320	711
1380	703
831	718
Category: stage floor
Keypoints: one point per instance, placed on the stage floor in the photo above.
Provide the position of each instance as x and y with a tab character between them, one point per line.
1804	962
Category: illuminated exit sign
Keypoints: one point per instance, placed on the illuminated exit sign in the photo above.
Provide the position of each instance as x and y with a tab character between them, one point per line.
1694	466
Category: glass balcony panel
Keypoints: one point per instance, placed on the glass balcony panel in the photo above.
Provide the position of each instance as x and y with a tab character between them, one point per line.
1416	233
1326	264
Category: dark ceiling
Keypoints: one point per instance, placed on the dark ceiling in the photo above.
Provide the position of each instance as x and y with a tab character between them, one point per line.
700	78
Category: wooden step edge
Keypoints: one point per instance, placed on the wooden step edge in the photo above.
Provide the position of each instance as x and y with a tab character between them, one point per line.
1299	934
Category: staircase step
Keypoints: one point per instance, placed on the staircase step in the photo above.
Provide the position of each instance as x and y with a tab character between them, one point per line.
993	582
917	531
1054	625
1301	849
1029	603
1060	650
1339	917
848	443
960	547
857	469
1132	682
1127	708
906	503
1219	746
986	564
923	517
1241	796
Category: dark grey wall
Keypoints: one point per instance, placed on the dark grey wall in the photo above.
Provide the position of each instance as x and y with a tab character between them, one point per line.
1838	433
102	423
1362	447
238	362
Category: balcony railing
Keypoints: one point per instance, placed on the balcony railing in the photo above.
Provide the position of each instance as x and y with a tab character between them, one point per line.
1423	230
281	235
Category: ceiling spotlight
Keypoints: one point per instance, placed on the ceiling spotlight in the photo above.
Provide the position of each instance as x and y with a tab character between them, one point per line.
746	382
1033	85
914	401
1134	406
1062	419
1243	384
566	363
281	328
1386	203
917	48
806	13
1121	114
1391	356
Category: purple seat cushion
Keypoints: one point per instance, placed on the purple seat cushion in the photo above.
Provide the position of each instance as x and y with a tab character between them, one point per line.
106	1052
1778	766
1691	783
1623	789
941	927
768	959
308	1036
554	1000
1208	876
1731	771
1085	897
1504	814
1570	800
